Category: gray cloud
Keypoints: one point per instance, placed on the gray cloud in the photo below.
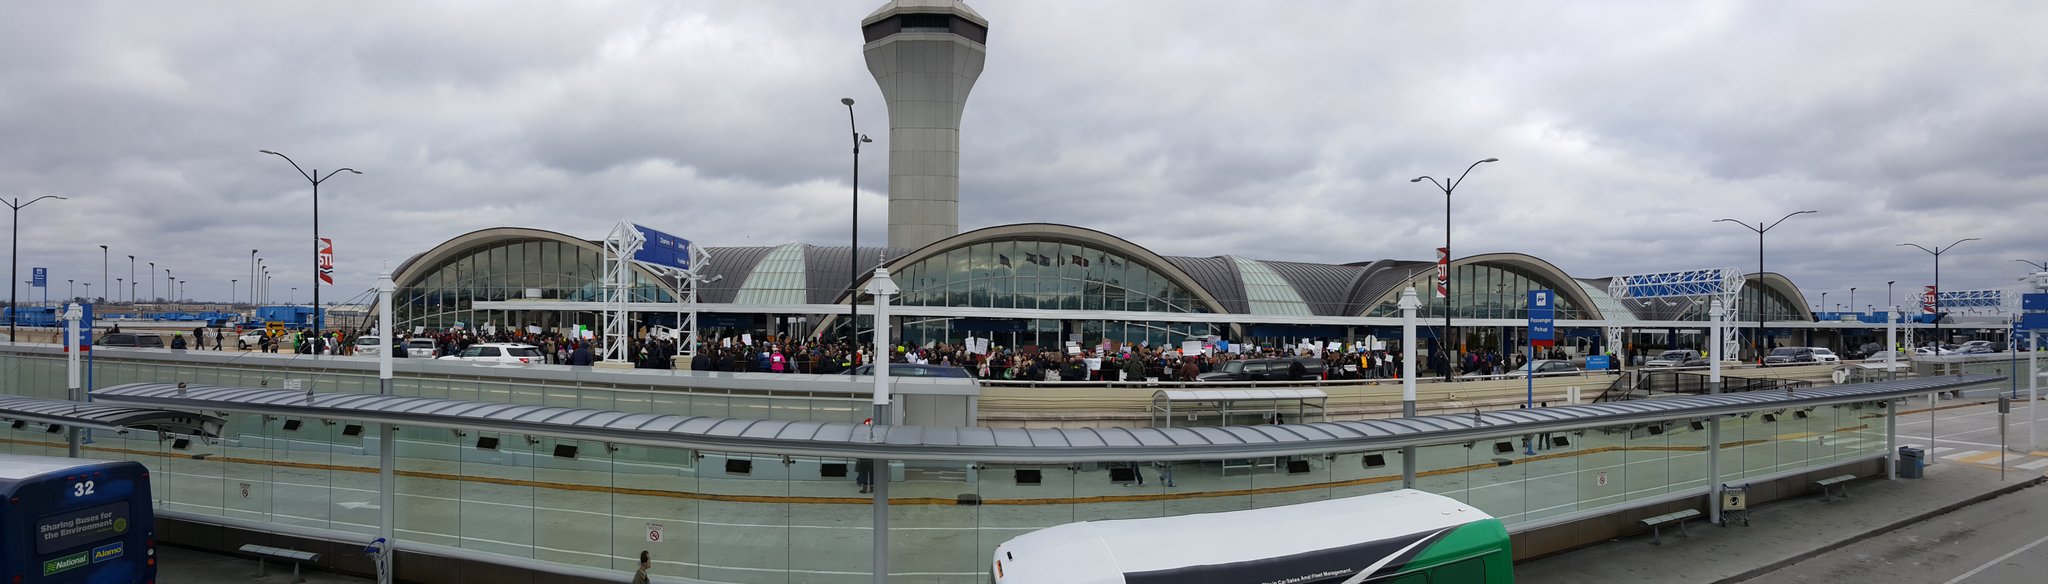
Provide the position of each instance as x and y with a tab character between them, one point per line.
1196	128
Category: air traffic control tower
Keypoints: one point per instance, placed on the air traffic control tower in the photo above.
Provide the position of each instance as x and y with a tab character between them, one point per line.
926	55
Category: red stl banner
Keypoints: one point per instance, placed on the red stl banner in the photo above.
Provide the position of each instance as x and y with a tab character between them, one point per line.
327	261
1443	272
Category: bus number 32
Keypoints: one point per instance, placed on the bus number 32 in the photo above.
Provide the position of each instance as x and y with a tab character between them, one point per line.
81	489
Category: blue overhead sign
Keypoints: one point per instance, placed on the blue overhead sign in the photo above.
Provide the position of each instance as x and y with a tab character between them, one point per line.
41	277
2034	301
662	249
1542	317
2034	322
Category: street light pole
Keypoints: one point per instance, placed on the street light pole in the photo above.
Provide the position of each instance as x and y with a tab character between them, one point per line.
104	272
1756	342
319	316
1938	340
152	282
853	246
1445	339
234	287
2038	266
131	279
14	262
252	276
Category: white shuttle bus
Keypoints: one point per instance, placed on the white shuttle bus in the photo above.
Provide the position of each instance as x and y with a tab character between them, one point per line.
1398	537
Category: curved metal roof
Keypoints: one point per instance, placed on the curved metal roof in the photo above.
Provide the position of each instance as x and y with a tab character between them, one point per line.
105	417
1050	445
1327	288
1218	277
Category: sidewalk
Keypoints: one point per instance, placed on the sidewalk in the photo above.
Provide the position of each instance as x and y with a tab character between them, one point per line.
1780	533
177	565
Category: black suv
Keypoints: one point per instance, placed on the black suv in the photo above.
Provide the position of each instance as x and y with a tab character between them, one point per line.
129	340
1790	356
1265	370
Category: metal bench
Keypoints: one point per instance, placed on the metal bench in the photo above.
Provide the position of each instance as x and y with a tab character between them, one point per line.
294	556
1828	484
1657	523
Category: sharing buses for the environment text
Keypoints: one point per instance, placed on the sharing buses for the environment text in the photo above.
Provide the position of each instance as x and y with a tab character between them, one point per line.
73	521
1398	537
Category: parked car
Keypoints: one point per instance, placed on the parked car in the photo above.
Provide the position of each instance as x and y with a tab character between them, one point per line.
1976	350
1264	370
1790	356
1677	358
911	370
250	339
1825	355
1544	368
420	348
142	340
1931	351
1978	343
370	346
507	353
1882	355
1864	352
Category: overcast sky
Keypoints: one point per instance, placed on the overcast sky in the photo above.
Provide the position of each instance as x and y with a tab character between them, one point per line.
1267	130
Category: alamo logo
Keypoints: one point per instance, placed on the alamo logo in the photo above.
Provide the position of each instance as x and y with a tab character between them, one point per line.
107	552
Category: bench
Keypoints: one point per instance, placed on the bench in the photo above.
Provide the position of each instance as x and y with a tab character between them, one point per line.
1657	523
1830	483
293	556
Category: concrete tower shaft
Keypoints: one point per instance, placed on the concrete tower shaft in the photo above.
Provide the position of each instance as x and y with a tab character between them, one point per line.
925	54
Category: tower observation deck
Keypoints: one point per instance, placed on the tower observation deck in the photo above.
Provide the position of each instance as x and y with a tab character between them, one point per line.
925	55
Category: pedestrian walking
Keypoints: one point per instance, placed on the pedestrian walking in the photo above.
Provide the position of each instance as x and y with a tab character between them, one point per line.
646	562
218	339
864	475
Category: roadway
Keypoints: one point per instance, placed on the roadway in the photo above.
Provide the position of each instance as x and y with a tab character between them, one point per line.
2000	541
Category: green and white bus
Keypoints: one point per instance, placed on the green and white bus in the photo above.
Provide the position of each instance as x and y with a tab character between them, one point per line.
1399	537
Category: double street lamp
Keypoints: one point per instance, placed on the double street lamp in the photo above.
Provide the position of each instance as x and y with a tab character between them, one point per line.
1937	251
1444	283
14	262
1756	343
319	316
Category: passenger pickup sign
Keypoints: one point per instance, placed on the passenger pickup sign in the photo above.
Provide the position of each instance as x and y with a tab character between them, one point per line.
1542	318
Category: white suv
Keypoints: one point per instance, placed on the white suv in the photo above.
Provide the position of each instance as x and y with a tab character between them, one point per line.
507	353
1824	355
420	348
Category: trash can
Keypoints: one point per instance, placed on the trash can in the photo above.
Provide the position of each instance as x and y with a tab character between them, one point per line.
1911	462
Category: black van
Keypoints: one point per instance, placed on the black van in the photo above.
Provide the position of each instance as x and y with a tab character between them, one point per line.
147	341
1265	370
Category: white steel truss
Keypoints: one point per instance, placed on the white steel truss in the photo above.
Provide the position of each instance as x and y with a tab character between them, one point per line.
1704	285
1974	300
619	247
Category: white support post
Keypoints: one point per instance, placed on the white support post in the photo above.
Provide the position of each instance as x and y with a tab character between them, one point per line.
2033	386
1714	314
71	349
883	289
1891	438
387	436
1409	303
1891	343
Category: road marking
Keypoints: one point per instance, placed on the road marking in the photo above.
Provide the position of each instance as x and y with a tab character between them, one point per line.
1943	450
1969	456
2035	465
1999	560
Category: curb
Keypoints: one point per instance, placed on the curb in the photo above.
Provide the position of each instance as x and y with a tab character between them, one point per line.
1881	530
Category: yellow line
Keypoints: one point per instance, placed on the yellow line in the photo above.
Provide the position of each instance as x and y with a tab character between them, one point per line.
1979	458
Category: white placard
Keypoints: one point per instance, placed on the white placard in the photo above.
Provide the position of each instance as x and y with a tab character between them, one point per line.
419	330
1190	347
293	383
747	339
1094	363
654	532
532	330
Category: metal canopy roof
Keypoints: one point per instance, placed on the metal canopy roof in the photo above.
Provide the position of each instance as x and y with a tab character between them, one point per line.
1183	395
802	438
104	417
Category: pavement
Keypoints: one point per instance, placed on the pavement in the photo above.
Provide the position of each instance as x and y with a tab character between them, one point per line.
1787	533
1994	542
176	565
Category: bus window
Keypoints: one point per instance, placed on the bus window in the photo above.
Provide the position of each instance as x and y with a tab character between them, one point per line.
1466	570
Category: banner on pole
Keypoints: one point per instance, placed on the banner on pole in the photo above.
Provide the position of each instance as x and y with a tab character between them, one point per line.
327	261
1443	272
1927	301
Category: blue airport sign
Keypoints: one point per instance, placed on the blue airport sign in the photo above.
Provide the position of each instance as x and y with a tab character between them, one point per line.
41	277
1596	363
2034	301
1542	317
2036	321
662	249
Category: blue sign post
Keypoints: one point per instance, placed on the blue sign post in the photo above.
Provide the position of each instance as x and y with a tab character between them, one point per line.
40	277
1543	331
